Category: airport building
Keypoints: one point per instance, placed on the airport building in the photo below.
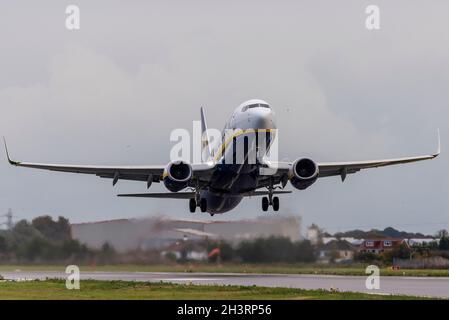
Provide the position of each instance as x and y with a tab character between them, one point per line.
159	232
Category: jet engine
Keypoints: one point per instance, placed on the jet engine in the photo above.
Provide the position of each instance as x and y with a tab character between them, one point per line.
304	173
177	175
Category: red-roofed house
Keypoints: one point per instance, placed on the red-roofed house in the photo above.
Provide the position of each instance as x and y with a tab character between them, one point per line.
380	245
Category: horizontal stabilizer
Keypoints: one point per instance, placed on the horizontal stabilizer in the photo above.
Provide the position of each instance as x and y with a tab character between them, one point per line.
164	195
190	195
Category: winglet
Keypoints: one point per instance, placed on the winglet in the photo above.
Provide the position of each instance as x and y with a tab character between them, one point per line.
439	145
12	162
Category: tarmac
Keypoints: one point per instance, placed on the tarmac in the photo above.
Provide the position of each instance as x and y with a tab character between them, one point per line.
415	286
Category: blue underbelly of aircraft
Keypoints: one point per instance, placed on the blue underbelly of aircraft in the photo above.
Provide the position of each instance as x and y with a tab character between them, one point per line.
220	203
228	182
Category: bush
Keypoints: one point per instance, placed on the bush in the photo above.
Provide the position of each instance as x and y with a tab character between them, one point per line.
227	252
366	257
304	251
275	249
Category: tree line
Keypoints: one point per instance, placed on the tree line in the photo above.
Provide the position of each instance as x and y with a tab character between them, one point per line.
47	240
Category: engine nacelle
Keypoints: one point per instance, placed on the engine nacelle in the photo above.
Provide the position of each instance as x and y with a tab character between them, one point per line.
177	175
303	173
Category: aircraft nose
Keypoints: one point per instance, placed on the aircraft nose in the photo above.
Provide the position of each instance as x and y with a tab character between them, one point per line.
264	120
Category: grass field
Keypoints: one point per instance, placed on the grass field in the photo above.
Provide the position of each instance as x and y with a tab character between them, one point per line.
105	290
239	268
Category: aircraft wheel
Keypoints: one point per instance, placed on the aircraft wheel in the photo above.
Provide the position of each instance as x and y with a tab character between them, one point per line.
276	204
265	204
192	205
203	205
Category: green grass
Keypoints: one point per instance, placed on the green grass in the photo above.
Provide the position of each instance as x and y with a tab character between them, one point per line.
106	290
239	268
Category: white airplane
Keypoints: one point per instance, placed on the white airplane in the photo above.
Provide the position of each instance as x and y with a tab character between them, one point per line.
218	186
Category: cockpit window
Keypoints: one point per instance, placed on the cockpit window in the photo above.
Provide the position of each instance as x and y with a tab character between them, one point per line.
256	105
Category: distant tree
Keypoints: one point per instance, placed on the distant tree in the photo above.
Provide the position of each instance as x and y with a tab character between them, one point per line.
366	257
226	251
304	251
444	243
37	248
24	230
424	249
107	253
107	248
45	239
73	249
401	252
3	244
170	256
360	234
442	233
388	232
53	230
275	249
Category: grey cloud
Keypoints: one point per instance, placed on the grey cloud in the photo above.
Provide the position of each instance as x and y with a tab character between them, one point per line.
112	93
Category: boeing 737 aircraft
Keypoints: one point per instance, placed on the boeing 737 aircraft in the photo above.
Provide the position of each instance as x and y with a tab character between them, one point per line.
217	186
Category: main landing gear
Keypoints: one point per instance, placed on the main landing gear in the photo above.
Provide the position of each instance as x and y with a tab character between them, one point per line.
201	202
270	200
274	203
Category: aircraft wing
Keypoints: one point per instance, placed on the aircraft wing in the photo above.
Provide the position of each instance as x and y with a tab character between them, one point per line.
149	174
328	169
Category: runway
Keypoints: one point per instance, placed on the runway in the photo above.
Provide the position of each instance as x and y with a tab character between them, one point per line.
416	286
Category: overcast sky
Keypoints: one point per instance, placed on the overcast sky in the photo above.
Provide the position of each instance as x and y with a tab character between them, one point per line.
111	92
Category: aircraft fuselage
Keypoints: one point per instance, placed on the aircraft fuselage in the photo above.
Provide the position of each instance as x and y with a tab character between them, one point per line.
252	121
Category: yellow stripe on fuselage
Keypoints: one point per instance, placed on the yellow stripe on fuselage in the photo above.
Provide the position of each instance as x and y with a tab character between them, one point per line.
224	146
